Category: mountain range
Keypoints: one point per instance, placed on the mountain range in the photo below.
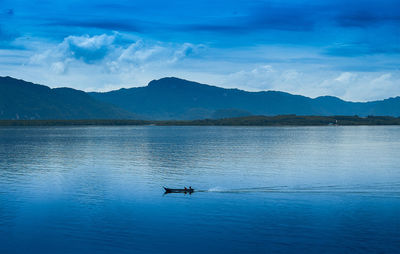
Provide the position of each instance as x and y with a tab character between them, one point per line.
24	100
171	98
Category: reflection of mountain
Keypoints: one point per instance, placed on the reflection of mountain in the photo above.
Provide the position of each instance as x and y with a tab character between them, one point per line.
173	98
25	100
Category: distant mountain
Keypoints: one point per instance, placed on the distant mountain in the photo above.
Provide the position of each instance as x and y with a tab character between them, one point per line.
24	100
173	98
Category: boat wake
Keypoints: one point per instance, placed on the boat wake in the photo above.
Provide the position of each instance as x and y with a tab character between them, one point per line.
375	190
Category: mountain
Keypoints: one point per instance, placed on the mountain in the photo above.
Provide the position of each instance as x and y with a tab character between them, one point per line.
24	100
173	98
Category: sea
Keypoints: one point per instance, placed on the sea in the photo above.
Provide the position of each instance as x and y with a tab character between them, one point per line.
99	189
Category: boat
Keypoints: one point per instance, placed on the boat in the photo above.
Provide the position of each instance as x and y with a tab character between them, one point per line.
186	190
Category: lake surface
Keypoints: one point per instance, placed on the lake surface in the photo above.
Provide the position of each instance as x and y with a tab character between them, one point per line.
261	189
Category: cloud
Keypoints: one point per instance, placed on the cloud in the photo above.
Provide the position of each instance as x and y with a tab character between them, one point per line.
346	77
300	16
293	17
86	48
111	53
103	23
361	49
58	67
187	50
264	17
7	39
372	14
6	12
237	23
265	77
381	79
139	52
354	86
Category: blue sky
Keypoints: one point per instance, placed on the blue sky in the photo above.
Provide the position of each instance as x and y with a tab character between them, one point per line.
349	49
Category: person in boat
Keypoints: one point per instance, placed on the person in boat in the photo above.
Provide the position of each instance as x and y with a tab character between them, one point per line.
185	188
190	188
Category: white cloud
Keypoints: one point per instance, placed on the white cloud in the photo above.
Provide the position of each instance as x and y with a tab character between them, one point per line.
91	43
384	78
106	52
139	52
267	77
58	67
346	77
187	49
84	48
354	86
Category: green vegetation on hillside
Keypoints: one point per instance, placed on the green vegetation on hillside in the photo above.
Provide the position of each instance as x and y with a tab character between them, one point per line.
282	120
291	120
71	122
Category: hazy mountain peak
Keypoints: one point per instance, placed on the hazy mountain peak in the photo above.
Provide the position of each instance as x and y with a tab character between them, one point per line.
174	83
329	98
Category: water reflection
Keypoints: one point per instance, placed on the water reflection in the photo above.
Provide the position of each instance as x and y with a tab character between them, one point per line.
99	189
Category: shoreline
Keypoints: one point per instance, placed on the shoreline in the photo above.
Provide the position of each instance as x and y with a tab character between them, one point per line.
282	120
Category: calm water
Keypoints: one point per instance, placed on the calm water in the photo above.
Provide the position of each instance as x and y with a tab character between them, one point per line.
263	190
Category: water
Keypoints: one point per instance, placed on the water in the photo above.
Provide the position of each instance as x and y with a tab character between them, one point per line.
261	189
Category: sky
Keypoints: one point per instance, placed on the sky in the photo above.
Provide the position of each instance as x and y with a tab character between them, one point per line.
348	49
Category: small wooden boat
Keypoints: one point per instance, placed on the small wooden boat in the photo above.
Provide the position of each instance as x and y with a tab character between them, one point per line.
186	190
